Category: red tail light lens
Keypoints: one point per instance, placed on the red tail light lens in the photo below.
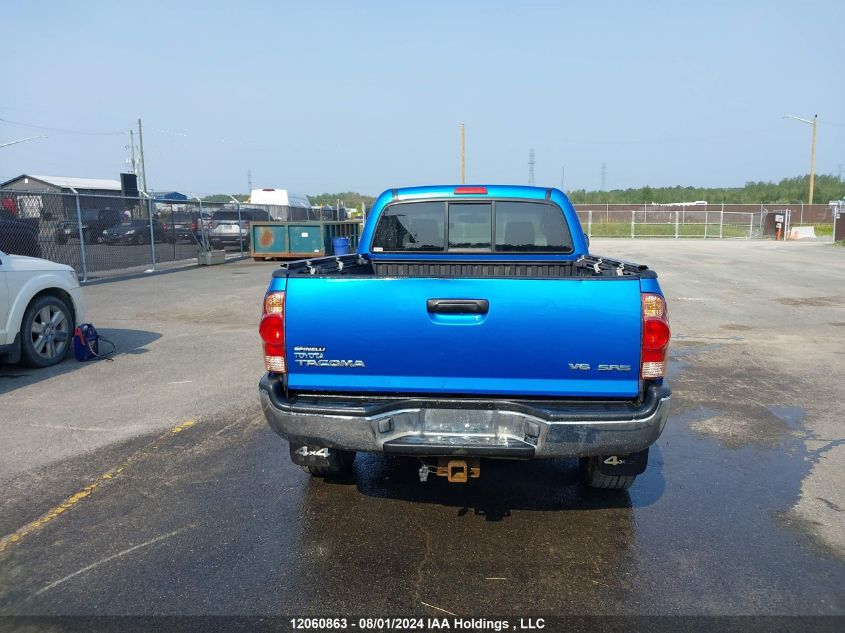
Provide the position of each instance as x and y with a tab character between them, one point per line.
655	337
272	332
655	334
479	191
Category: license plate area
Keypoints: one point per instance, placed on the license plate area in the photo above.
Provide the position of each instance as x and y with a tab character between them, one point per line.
458	422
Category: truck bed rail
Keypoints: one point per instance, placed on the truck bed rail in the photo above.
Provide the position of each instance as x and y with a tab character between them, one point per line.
359	265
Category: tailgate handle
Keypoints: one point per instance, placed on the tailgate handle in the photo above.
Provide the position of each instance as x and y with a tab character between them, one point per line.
458	306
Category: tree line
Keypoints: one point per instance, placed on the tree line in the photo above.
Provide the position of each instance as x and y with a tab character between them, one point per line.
348	199
788	190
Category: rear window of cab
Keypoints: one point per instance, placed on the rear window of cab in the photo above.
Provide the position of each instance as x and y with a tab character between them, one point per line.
488	226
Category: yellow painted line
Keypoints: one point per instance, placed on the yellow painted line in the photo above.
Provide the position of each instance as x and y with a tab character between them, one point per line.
71	501
185	425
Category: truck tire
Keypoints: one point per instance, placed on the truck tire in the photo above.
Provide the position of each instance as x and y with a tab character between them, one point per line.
344	468
593	477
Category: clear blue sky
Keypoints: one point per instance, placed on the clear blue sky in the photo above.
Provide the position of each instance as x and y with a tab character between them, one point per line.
330	96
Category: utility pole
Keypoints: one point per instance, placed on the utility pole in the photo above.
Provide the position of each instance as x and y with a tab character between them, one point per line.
603	176
531	166
463	156
132	151
143	162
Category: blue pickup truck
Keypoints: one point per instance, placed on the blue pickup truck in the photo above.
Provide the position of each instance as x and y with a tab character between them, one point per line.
472	323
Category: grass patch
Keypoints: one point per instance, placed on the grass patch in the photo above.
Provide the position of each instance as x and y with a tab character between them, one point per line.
822	230
623	229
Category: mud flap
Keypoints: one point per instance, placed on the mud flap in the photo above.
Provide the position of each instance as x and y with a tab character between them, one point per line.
316	456
621	465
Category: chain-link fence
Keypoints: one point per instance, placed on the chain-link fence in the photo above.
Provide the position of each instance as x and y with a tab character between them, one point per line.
697	220
96	233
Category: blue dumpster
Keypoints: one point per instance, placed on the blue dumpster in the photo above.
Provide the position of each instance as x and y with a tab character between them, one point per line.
340	245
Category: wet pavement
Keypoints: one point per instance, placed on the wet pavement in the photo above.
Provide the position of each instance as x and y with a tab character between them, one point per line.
736	514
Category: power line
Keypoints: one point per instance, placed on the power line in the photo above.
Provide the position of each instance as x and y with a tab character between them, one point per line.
61	130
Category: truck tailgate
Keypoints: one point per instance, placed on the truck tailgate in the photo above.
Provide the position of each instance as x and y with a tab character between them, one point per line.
575	337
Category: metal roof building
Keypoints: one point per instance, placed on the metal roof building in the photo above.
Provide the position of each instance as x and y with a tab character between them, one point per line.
62	184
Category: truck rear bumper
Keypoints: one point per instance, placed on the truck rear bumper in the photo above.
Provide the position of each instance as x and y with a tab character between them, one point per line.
519	429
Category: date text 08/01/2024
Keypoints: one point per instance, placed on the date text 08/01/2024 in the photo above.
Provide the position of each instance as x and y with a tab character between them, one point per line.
417	624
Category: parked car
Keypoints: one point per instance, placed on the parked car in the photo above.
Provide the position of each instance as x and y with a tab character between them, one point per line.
135	232
94	222
491	331
40	304
205	221
181	226
8	205
228	230
19	237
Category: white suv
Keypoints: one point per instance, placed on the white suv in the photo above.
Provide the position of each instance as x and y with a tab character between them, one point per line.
40	304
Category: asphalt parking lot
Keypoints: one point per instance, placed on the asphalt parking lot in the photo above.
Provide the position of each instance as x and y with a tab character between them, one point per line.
152	485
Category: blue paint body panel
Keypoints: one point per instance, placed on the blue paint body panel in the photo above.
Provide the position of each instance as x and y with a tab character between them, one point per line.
540	337
523	346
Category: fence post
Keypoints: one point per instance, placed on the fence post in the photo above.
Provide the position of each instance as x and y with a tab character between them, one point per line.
632	223
721	220
152	232
238	205
205	233
676	224
607	212
590	223
705	223
81	236
801	220
751	227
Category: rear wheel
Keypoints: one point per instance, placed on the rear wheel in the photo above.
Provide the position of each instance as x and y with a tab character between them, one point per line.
46	331
338	470
593	477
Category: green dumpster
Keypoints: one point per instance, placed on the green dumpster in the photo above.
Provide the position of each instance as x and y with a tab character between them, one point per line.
299	240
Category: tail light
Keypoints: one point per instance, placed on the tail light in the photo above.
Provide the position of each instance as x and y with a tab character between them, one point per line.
656	335
272	331
479	191
194	226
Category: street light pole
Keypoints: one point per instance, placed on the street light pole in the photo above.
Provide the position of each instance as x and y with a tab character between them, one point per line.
814	123
813	157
